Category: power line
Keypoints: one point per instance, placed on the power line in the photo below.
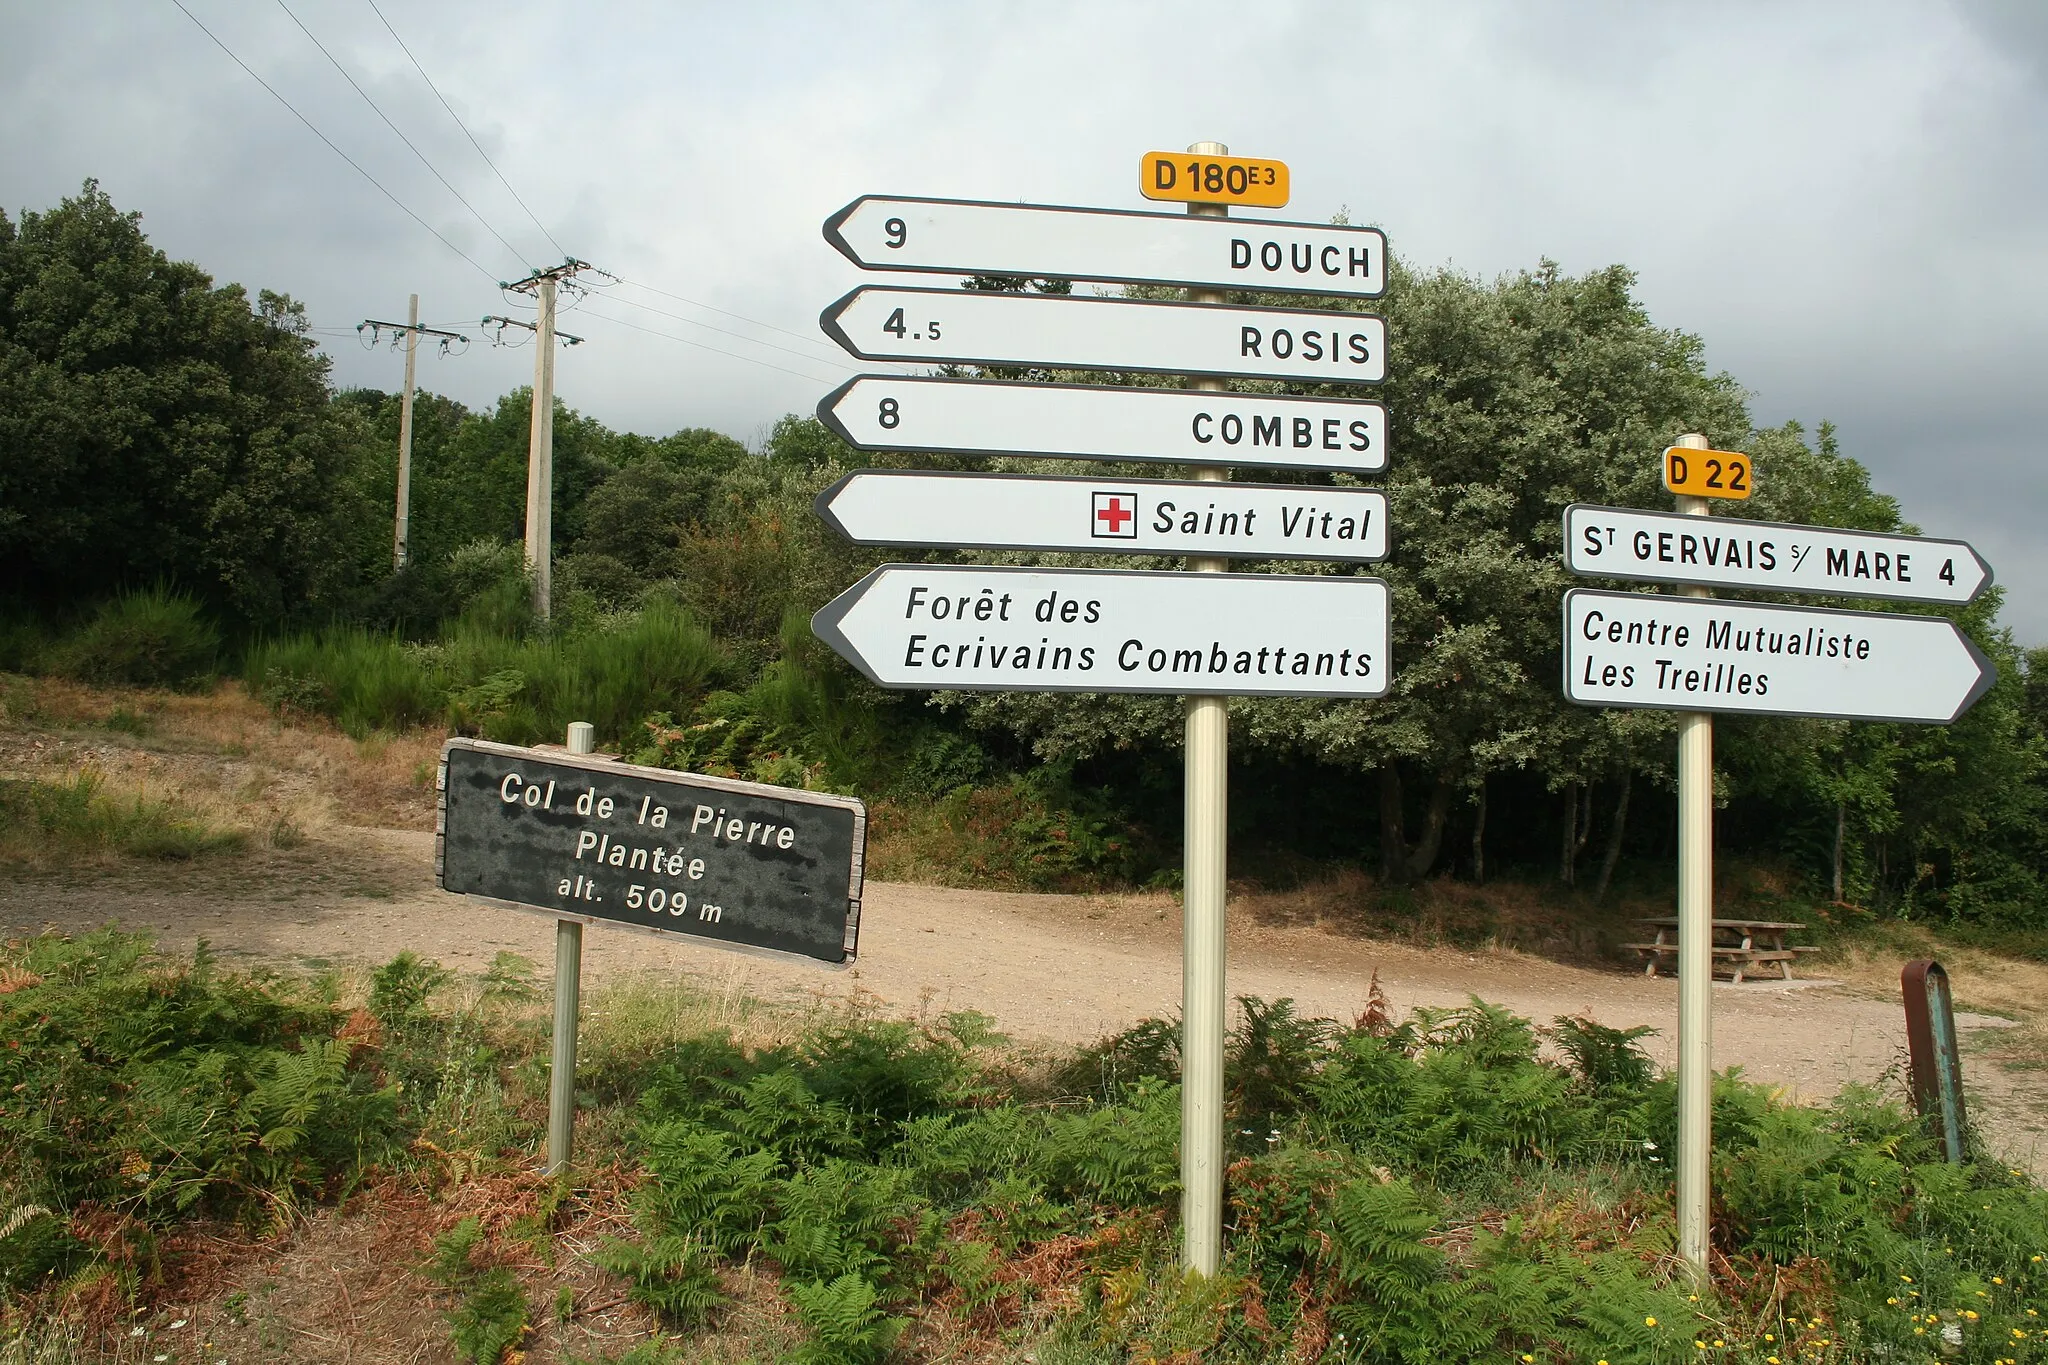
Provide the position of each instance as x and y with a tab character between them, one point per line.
517	254
695	303
465	127
739	336
330	143
751	360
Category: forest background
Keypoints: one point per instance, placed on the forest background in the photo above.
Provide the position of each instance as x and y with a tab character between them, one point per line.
184	495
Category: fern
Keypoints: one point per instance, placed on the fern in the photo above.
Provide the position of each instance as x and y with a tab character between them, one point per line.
847	1322
677	1276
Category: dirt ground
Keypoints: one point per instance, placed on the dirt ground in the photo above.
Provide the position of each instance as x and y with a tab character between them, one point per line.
339	872
1047	967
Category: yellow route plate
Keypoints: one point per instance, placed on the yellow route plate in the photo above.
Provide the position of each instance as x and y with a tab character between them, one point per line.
1191	178
1707	473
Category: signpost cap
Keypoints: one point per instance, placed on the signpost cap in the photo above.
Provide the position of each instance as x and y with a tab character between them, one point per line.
582	737
1209	149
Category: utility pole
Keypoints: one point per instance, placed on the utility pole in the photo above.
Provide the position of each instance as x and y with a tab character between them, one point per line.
401	533
540	449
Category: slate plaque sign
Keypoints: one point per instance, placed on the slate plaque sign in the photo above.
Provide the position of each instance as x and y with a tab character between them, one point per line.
589	839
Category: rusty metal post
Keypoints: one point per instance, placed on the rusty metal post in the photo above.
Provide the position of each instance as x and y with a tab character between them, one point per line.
1931	1040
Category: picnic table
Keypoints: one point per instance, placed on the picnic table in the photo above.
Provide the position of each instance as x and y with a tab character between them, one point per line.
1739	945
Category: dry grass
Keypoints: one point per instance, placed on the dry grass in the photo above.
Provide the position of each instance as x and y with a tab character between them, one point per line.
221	753
1543	921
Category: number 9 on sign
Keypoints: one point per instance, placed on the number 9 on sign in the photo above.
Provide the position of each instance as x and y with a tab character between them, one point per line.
1706	473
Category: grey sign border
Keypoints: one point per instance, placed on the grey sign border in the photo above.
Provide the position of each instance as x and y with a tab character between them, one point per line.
822	505
825	625
846	249
828	322
1987	671
600	763
1637	576
829	416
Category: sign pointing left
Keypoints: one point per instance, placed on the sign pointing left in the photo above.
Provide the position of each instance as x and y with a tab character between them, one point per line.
944	511
977	327
967	237
988	628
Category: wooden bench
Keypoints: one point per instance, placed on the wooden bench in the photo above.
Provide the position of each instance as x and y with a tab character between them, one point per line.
1736	961
1738	945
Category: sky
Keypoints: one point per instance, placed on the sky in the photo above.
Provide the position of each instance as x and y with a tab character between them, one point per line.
1846	201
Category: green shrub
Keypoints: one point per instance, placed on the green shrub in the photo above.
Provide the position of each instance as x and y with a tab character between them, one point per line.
164	1090
479	680
152	638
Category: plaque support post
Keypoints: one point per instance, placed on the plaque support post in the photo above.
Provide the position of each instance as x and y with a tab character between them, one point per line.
568	1002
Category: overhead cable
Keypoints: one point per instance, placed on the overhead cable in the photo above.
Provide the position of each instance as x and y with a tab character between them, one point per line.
331	145
768	364
517	254
739	336
464	127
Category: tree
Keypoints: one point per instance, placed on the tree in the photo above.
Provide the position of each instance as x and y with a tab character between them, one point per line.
158	428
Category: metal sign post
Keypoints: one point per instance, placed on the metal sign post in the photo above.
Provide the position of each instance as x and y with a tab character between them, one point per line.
568	1006
1695	952
1696	655
1206	634
1204	892
586	840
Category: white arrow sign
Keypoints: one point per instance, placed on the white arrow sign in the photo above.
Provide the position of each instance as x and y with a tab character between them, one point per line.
1064	331
1700	654
948	511
1094	422
980	628
1669	547
967	237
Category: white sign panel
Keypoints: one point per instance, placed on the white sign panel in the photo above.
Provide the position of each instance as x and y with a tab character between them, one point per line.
945	511
1669	547
1700	654
966	237
1066	331
1091	422
978	628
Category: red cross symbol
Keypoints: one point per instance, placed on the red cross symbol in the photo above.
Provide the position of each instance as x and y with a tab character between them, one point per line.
1112	512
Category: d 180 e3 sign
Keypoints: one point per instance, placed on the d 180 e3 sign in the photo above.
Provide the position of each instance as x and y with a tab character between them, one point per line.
587	839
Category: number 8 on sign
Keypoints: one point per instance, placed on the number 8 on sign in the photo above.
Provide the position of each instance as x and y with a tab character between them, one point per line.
1707	473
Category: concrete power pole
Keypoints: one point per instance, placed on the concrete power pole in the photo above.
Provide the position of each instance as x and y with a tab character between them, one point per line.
402	531
403	527
540	450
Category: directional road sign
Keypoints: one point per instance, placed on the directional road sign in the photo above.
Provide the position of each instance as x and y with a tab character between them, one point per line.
1707	473
1195	178
944	511
598	841
1066	331
968	237
1666	547
1096	422
979	628
1701	654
